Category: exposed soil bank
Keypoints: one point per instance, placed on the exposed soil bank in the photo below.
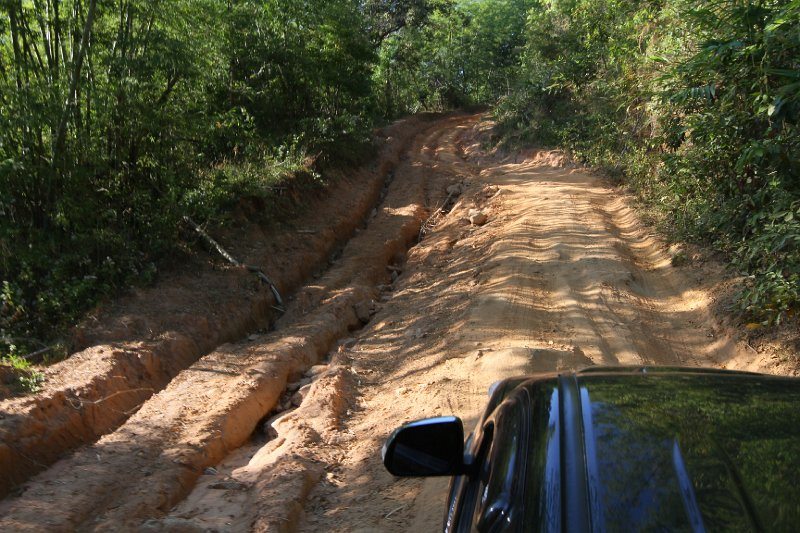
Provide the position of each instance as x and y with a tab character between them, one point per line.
264	488
144	340
212	407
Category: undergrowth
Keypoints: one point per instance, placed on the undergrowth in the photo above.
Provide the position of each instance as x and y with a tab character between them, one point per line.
26	378
59	277
115	126
693	105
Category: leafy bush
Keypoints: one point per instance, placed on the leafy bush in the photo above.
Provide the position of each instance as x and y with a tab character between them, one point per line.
27	378
156	114
693	104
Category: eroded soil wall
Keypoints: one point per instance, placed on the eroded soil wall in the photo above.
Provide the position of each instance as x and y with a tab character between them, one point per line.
137	345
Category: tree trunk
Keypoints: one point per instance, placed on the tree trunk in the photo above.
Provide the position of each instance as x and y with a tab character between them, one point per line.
61	131
12	15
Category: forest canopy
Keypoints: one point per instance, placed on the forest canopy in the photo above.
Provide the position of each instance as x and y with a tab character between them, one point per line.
119	117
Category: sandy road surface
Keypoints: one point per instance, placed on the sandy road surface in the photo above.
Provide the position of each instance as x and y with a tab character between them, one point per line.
561	276
282	431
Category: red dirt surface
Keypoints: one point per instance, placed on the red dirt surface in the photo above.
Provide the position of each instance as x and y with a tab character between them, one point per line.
533	265
133	348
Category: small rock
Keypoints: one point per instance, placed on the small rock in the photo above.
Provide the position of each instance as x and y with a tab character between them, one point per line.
362	310
455	189
415	333
210	471
348	342
340	438
291	387
253	337
477	217
399	391
314	371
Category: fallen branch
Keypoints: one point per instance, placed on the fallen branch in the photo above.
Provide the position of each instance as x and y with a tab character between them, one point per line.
432	220
77	403
37	353
224	253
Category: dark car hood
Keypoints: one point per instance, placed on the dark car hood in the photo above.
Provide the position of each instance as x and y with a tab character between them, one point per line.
655	450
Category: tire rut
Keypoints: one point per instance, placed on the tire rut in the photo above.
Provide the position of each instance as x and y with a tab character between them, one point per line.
213	407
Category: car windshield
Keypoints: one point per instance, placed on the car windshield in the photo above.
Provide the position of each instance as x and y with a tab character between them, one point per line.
673	452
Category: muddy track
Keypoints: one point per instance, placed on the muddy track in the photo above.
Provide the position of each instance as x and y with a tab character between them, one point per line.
535	265
141	342
214	405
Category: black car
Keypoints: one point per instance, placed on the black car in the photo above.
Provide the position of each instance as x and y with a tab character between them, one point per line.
618	449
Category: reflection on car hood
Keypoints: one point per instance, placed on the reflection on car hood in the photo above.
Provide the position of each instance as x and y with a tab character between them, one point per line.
654	450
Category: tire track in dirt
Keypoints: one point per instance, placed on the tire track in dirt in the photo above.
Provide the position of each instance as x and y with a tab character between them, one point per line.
212	407
272	481
145	339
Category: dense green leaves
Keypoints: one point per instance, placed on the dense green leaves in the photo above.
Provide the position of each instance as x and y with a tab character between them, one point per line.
694	104
466	53
117	117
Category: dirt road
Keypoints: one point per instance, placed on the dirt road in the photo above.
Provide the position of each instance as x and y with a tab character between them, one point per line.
524	264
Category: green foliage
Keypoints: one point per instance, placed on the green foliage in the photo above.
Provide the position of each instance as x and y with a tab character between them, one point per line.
27	378
301	68
466	53
220	188
693	104
117	118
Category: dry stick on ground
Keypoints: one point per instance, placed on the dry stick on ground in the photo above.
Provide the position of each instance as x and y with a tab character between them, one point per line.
224	253
37	353
434	218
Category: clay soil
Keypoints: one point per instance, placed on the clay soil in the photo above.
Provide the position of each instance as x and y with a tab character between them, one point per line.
472	266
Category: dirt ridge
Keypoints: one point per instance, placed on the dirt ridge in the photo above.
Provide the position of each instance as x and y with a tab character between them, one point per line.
133	356
269	489
212	407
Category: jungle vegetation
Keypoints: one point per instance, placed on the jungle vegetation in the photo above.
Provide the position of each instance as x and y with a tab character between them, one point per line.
119	117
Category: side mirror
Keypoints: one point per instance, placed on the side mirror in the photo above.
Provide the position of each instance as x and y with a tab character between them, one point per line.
430	447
